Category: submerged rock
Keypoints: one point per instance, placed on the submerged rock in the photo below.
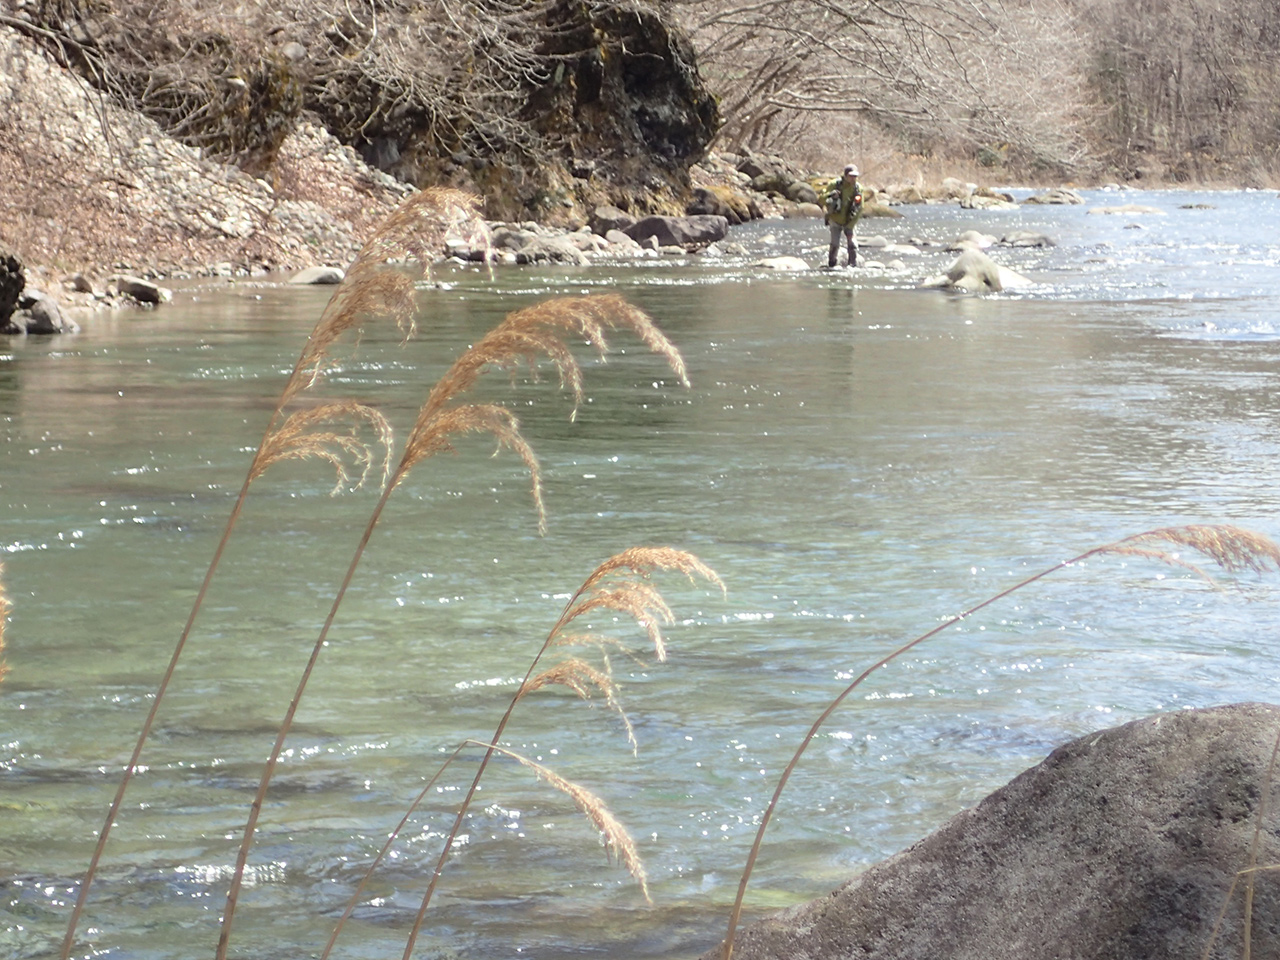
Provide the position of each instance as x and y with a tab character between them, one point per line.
1123	844
1127	209
782	263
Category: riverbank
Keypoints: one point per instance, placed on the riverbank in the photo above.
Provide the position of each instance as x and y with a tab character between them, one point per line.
90	192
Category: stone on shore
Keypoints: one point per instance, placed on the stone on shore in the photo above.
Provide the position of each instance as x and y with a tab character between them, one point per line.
39	313
143	291
318	276
1057	195
606	217
1123	844
679	231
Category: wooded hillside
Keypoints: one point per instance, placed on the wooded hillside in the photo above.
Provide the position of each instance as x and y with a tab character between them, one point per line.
551	107
1172	90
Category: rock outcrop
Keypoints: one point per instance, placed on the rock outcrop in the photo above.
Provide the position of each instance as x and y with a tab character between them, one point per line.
608	108
1123	844
12	280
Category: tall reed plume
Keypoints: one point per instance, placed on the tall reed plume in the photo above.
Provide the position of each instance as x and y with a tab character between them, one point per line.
522	338
5	607
371	290
621	584
1231	548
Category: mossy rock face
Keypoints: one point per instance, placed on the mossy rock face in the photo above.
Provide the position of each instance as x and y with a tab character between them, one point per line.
12	280
617	115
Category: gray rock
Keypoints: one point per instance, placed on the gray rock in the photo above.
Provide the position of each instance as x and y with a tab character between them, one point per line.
318	275
972	238
144	291
803	211
1027	238
586	241
707	202
621	241
974	272
1122	845
605	218
551	250
79	283
771	182
801	192
1056	195
511	238
782	263
39	313
977	201
680	231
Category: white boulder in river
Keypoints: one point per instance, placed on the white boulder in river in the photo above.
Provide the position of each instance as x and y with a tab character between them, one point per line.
974	272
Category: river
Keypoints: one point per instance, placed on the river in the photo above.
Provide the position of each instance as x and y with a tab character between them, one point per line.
856	458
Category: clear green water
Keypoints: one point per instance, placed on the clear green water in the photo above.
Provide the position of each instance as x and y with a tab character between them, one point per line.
857	460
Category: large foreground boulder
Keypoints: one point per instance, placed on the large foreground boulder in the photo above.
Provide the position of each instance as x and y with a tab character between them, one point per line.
1122	845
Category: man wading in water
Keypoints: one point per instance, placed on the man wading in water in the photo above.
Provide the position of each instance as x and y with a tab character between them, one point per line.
844	208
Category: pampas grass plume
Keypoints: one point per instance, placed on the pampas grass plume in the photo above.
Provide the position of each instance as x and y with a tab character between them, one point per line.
300	438
618	844
5	607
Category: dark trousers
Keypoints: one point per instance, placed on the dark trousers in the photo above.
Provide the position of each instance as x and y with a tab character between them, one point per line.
833	251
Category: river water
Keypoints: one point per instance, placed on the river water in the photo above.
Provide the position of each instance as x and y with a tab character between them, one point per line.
856	458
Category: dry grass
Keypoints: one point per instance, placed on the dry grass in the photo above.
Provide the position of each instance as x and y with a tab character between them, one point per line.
523	337
361	297
418	227
300	438
370	294
627	572
1232	548
617	841
5	606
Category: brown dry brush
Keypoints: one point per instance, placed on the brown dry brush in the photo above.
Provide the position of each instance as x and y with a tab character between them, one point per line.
522	338
371	291
1233	549
621	584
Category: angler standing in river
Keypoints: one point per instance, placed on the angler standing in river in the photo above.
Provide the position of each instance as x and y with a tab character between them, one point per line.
843	210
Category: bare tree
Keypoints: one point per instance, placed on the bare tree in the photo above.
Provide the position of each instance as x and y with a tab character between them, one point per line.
1195	83
938	74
